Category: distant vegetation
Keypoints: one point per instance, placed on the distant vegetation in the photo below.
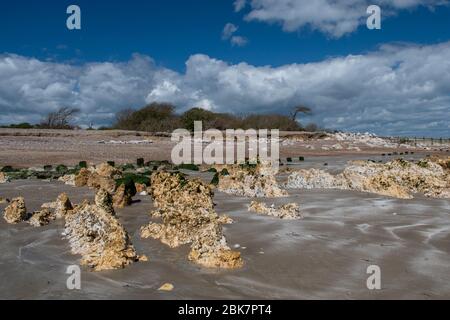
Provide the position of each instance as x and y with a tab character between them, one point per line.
59	119
162	117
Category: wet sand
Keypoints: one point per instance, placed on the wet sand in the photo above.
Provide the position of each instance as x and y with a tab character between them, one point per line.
323	256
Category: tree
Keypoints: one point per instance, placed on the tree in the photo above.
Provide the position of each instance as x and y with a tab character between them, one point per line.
300	109
59	119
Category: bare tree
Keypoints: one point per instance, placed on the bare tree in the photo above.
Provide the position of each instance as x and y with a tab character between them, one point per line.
300	109
60	119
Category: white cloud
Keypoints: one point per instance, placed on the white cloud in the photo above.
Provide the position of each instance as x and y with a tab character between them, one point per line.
228	31
334	18
238	41
228	34
239	5
398	89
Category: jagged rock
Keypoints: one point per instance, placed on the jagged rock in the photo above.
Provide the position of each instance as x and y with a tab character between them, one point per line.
225	219
188	216
63	206
106	170
140	187
398	178
166	287
41	218
103	177
104	201
68	179
16	212
3	178
81	179
290	211
122	198
99	238
250	181
97	181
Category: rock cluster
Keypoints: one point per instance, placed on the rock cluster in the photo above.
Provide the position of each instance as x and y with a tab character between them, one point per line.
41	218
95	233
290	211
16	212
188	217
256	181
102	177
398	178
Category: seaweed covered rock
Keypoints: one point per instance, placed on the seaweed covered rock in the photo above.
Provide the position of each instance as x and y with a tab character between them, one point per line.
16	212
254	181
98	237
188	217
290	211
398	178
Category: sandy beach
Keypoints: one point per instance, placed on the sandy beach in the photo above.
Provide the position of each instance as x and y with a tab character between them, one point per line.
323	256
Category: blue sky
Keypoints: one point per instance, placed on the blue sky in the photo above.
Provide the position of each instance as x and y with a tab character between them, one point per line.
180	45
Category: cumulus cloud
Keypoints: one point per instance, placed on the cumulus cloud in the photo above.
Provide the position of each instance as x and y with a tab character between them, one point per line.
334	18
399	89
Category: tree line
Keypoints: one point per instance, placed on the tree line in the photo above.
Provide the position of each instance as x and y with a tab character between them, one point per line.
162	117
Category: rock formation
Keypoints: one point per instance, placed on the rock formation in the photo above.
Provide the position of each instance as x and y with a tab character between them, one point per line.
122	197
398	178
16	212
250	181
3	200
3	178
188	217
62	206
102	177
290	211
41	218
97	235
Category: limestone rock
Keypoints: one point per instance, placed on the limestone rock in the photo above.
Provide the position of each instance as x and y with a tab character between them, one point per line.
104	201
140	187
290	211
225	219
122	198
3	200
398	178
3	178
41	218
247	181
63	206
99	238
81	179
68	179
188	217
16	212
